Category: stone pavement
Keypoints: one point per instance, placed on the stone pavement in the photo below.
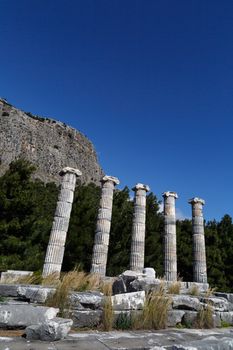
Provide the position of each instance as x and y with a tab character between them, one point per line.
173	339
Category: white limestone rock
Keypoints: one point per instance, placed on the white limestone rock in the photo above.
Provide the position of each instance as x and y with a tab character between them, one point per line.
12	276
35	294
91	300
174	317
185	302
149	272
129	301
51	330
218	304
23	315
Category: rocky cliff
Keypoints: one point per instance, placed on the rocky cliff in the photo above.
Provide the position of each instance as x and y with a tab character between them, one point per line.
47	143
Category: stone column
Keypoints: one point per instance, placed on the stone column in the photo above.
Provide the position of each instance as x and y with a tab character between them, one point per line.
103	225
56	246
139	228
199	254
169	239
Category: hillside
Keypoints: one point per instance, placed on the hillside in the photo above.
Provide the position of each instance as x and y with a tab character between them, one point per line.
49	144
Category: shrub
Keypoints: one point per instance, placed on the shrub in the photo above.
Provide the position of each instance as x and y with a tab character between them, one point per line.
124	321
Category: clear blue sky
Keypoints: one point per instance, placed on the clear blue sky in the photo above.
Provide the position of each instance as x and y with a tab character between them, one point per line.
149	82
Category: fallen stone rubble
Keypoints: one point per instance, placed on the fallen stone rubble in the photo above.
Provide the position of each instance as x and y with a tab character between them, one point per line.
22	307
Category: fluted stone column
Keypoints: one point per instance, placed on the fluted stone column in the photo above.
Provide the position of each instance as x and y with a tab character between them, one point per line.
169	239
138	229
199	253
103	225
56	246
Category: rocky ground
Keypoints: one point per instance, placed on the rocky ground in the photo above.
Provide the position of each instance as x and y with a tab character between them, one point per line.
173	339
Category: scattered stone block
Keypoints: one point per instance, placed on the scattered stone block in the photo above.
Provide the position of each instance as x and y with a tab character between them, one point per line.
149	272
227	296
185	302
218	304
86	318
202	287
90	300
129	301
51	330
8	290
23	315
174	317
35	294
189	318
12	276
227	317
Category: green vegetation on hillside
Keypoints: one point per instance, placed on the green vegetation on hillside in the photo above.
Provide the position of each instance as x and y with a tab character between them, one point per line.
26	214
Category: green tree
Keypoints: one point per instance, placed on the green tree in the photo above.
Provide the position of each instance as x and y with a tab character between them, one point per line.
154	235
80	237
26	212
120	237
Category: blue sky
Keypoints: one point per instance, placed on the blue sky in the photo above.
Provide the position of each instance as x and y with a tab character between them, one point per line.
150	82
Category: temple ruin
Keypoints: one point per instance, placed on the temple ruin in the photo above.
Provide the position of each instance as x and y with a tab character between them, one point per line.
56	245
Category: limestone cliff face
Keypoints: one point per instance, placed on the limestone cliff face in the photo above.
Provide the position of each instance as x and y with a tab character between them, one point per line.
47	143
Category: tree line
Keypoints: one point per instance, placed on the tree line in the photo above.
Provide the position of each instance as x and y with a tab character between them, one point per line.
26	214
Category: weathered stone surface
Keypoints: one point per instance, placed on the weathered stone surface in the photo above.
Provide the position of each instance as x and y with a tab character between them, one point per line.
12	276
202	287
188	339
169	237
86	318
227	296
51	330
227	317
185	302
138	228
174	317
189	318
103	225
35	294
91	300
219	304
47	143
128	301
21	316
8	290
145	283
56	245
149	272
199	252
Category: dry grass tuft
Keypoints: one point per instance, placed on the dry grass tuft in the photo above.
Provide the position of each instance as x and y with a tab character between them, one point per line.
51	280
205	318
194	290
210	292
155	311
108	313
72	281
175	287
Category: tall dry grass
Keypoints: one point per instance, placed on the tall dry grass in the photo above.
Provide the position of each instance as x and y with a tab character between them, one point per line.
155	311
108	312
175	287
72	281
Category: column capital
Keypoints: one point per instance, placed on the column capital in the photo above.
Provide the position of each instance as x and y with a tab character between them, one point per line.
140	186
113	179
70	170
196	200
170	194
